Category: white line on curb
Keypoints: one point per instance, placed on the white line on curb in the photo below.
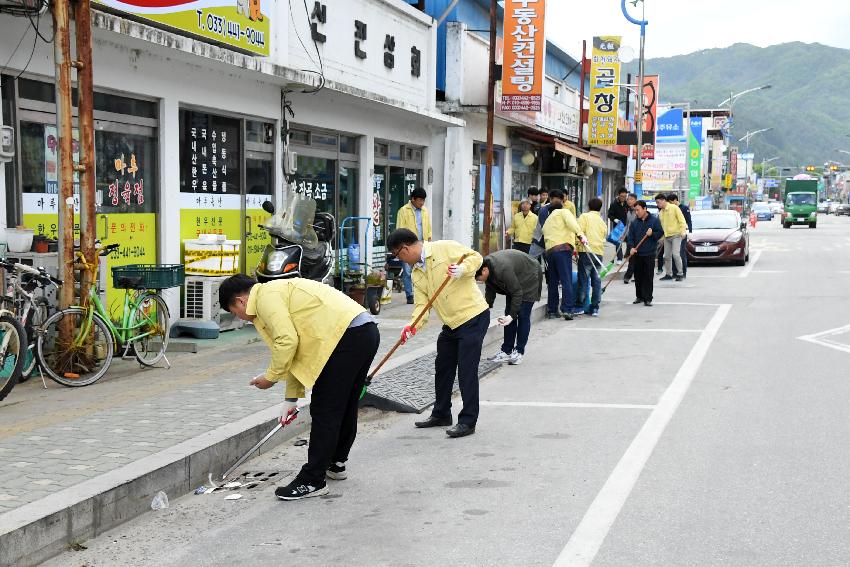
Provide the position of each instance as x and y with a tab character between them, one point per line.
586	540
582	405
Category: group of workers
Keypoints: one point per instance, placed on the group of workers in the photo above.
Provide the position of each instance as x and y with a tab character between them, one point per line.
320	339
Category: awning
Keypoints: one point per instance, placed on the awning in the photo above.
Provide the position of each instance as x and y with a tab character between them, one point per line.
571	150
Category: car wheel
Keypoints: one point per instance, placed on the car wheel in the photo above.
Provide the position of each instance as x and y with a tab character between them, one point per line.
813	225
786	225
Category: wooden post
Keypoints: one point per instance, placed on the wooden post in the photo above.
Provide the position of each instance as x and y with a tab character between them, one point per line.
85	90
62	57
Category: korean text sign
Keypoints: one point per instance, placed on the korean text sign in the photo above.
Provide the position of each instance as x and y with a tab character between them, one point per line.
525	50
241	24
604	94
650	115
695	157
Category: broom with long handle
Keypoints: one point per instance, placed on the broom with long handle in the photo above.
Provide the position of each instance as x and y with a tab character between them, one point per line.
400	341
620	267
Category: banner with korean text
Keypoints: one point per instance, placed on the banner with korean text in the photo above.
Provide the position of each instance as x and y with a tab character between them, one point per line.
525	50
604	94
650	115
695	157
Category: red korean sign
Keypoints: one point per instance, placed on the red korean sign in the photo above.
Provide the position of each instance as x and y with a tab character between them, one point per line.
525	49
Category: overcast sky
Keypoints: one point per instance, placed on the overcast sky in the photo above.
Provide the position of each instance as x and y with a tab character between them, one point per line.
684	26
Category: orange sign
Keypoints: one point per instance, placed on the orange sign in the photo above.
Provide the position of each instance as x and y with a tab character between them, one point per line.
525	49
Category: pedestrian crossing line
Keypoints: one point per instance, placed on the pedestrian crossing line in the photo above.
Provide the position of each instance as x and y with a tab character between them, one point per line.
579	405
587	539
628	330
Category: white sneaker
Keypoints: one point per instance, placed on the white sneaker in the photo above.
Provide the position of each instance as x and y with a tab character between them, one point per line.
619	262
501	358
516	358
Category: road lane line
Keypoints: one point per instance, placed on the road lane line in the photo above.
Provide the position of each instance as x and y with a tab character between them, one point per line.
822	340
628	330
567	405
591	532
751	264
681	303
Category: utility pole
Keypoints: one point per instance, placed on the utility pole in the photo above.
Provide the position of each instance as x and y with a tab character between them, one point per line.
62	58
491	103
639	102
85	91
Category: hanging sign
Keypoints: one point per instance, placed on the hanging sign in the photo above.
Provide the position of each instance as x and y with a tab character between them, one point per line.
522	70
604	92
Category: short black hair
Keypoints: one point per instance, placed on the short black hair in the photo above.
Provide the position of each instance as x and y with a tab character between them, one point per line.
544	190
485	264
232	287
595	204
672	197
661	196
418	193
622	190
632	195
401	237
641	203
533	191
556	193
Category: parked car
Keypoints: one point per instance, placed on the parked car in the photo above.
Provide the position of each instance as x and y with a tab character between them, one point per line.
843	210
719	236
777	207
762	211
833	207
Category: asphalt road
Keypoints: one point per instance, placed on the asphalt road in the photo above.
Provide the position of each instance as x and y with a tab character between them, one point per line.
706	430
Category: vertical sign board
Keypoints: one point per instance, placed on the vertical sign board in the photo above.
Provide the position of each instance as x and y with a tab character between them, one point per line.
522	70
695	157
604	95
650	113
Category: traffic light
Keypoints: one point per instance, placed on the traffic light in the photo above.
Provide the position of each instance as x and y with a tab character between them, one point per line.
810	168
833	167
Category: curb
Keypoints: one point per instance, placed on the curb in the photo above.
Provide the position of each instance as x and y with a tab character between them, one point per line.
37	531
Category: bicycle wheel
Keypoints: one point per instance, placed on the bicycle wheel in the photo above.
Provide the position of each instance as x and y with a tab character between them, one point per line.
152	317
73	364
39	314
12	341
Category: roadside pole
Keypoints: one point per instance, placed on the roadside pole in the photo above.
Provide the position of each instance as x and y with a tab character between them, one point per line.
638	185
491	103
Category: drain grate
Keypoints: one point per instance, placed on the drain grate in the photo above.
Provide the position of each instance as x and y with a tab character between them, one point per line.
410	388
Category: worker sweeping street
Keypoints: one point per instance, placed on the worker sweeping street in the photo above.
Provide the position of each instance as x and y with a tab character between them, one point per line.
519	277
465	317
321	339
560	232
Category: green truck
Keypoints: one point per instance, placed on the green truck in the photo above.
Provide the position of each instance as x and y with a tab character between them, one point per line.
801	203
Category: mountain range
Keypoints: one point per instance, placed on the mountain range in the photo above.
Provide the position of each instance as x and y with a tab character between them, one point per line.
807	106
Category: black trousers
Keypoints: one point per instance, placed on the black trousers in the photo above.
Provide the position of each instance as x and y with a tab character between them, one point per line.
459	352
523	247
333	406
644	267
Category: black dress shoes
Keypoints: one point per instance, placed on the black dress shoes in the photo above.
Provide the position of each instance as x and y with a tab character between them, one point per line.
636	301
434	422
460	430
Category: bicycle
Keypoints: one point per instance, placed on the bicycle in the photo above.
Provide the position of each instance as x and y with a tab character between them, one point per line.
12	339
76	345
29	310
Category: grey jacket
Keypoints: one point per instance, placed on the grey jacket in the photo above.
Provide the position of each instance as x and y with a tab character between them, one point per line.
515	274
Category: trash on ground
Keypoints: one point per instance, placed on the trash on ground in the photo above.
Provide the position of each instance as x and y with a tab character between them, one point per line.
232	485
201	489
160	501
300	443
233	497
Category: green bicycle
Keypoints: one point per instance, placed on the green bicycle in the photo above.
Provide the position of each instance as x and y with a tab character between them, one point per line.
76	345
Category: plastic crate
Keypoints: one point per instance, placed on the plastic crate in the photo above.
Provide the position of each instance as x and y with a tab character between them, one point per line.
148	276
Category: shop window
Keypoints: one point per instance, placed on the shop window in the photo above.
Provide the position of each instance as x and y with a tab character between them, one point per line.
348	178
38	90
123	105
381	150
301	137
36	166
412	154
126	173
210	161
347	145
259	132
324	140
316	178
395	151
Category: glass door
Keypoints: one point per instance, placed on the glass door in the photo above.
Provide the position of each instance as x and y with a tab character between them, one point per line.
259	187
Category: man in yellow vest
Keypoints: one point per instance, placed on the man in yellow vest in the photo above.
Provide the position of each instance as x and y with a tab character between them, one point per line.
522	227
321	339
559	236
465	315
675	230
415	218
595	230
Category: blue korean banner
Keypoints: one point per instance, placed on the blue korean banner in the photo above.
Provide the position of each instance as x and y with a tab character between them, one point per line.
670	126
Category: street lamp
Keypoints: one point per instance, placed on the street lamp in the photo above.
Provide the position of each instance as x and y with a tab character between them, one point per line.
731	101
751	134
842	151
638	186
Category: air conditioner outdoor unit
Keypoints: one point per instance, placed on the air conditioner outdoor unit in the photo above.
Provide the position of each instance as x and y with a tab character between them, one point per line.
200	301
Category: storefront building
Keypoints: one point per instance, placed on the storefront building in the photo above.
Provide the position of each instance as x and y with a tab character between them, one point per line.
188	132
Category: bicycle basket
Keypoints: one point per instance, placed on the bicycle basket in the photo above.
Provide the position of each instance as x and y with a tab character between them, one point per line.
147	276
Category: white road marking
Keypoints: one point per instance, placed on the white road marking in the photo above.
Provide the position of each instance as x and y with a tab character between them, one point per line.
588	537
627	330
822	339
751	264
567	405
769	272
682	303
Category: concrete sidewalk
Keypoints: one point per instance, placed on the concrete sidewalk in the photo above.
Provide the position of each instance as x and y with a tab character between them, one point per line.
82	460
